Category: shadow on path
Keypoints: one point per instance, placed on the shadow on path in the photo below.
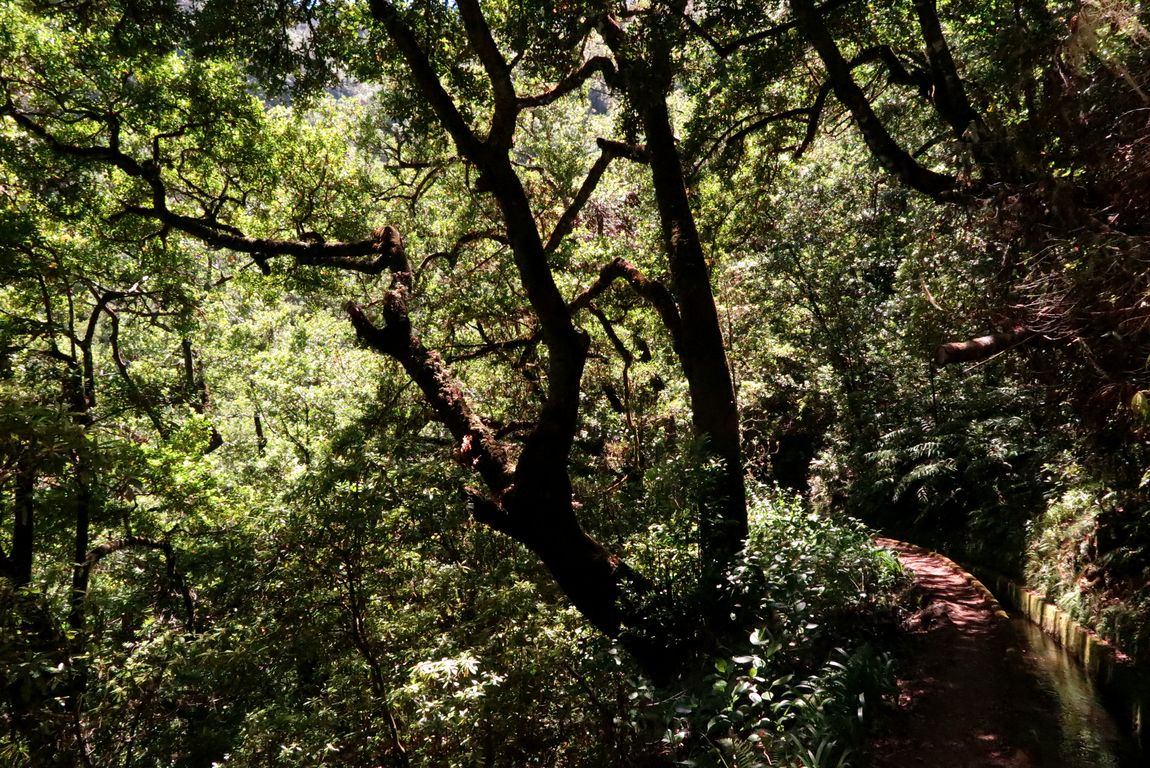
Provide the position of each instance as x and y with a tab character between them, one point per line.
968	696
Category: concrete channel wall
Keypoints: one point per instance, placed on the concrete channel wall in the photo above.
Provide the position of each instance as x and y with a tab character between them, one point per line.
1124	691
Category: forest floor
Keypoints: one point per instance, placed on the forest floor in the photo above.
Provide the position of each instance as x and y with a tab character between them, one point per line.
963	699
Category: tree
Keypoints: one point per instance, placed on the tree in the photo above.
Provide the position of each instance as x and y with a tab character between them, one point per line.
523	214
156	132
999	110
70	299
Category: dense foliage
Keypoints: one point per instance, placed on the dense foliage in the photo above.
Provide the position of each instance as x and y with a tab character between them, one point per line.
441	383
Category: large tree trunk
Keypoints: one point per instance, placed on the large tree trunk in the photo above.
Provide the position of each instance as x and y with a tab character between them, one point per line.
530	499
700	348
532	506
714	412
23	526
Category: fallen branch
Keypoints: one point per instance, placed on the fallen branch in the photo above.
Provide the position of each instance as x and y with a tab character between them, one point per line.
982	347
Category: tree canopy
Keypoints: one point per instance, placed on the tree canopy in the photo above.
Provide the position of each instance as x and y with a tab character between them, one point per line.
348	349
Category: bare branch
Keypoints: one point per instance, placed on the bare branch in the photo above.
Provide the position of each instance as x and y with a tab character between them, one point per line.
110	154
217	236
491	347
609	329
452	256
896	70
427	79
608	150
813	114
723	50
210	232
882	145
122	366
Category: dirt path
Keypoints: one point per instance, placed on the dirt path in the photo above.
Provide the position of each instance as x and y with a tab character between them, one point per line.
963	701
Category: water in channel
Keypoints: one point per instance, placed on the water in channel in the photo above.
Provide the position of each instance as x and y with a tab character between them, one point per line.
1086	735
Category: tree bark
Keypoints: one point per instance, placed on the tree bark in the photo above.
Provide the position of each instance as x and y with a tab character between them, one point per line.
531	499
700	348
982	347
84	502
948	95
534	507
714	412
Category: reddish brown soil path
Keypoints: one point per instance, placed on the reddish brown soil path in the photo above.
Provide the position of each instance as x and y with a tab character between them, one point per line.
963	702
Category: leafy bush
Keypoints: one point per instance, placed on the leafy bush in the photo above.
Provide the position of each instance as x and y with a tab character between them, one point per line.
801	688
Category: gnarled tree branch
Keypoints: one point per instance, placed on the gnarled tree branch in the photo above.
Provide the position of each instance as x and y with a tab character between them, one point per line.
608	151
657	294
591	67
885	149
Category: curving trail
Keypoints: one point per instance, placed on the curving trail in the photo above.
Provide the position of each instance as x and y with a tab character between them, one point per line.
963	699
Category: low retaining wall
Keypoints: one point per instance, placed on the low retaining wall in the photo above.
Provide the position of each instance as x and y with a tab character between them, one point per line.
1124	691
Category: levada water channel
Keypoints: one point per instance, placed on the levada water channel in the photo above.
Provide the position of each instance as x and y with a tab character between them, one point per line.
1071	729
